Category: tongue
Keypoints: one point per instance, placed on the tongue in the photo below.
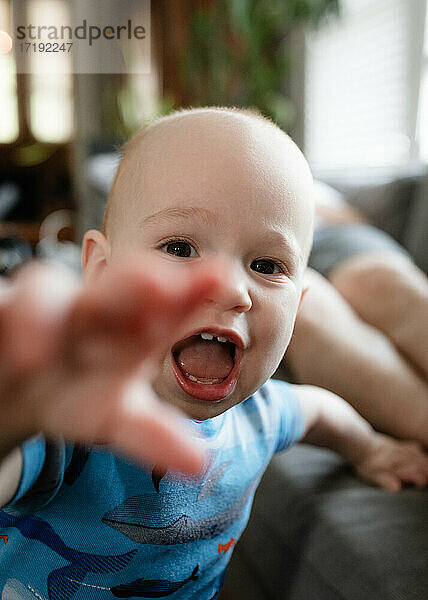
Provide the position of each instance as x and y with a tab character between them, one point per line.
205	359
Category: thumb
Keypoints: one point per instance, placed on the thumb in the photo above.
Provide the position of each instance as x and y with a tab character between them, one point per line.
155	433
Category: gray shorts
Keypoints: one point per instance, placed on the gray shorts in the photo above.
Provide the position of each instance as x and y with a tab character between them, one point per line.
336	243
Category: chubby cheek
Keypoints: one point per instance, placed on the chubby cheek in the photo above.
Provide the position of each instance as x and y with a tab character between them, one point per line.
275	330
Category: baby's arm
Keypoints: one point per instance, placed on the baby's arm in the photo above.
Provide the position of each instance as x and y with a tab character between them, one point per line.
332	423
71	360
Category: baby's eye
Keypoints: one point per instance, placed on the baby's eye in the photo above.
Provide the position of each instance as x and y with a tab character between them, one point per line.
180	248
265	266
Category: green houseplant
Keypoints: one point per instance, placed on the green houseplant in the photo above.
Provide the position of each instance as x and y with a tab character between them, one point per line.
239	52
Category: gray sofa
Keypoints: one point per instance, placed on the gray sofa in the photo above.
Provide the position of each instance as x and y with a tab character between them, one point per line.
317	532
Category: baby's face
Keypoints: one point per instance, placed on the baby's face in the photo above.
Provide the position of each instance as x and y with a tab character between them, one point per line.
215	186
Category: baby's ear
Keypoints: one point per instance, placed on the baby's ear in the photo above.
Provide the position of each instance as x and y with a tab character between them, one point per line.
95	255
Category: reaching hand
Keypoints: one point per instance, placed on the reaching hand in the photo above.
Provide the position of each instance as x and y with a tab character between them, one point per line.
74	361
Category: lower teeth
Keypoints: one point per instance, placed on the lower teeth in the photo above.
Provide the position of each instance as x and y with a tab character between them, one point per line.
206	382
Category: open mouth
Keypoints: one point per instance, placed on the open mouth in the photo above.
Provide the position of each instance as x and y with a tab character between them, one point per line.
206	365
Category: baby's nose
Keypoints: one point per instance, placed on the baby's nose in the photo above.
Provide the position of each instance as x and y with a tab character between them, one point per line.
233	293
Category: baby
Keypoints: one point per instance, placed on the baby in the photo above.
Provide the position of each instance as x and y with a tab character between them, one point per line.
193	285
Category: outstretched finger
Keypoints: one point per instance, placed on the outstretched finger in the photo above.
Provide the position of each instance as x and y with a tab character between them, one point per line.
132	314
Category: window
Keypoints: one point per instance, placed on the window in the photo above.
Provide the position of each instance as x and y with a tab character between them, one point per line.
9	125
48	92
362	81
422	132
51	99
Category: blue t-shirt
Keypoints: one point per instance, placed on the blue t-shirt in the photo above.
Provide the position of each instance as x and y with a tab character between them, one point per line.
88	524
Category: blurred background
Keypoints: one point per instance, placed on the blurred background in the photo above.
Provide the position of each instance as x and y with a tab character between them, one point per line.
347	79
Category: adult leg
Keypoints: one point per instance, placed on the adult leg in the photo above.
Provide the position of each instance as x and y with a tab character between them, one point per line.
389	292
333	348
376	276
